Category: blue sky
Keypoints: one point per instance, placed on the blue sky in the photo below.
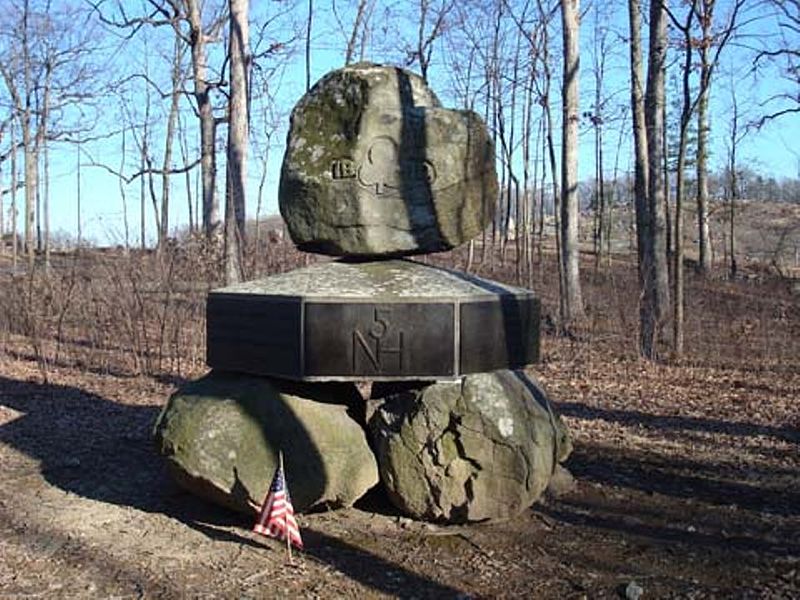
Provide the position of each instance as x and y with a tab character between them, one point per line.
773	150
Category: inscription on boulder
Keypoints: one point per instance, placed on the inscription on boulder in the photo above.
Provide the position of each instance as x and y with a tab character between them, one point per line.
383	171
343	168
374	166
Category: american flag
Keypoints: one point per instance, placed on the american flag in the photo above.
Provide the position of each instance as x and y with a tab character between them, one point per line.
276	518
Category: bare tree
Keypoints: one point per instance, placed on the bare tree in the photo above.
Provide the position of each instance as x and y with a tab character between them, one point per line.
3	126
14	179
45	64
702	12
685	118
199	37
430	26
544	98
309	25
718	39
648	128
239	56
20	87
359	29
736	135
641	170
786	56
570	241
196	24
597	119
703	229
176	79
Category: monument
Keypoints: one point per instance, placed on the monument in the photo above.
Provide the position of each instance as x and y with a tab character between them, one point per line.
375	171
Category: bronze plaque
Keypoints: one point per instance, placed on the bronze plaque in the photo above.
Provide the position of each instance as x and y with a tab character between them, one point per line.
254	334
384	340
380	321
499	334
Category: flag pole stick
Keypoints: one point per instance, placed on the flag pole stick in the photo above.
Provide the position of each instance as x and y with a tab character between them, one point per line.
286	513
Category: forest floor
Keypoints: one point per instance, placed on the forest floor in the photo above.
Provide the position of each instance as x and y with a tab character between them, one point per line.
687	471
687	481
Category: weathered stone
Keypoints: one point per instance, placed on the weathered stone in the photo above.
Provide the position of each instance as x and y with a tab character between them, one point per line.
374	167
221	436
481	448
389	320
561	483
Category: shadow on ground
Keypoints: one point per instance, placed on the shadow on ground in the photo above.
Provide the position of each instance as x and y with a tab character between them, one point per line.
670	500
670	422
103	450
761	488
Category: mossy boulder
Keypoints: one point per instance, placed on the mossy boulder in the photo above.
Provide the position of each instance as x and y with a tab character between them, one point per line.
483	447
374	166
221	436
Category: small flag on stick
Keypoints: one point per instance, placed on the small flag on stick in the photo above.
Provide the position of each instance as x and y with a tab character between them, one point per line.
276	518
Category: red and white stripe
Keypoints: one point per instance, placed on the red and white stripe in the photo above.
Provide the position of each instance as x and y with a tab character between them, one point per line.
277	519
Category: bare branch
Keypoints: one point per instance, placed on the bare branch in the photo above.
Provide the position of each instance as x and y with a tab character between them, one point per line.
149	171
132	24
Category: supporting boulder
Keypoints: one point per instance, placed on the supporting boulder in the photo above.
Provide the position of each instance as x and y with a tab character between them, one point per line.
483	447
221	436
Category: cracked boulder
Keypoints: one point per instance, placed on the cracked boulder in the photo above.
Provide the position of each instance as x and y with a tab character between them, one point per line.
374	166
221	436
483	447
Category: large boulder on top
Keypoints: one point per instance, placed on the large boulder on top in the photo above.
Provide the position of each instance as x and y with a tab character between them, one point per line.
221	436
374	166
483	447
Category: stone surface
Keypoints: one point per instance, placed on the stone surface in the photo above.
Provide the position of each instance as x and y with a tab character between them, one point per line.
221	436
383	320
481	448
561	483
374	166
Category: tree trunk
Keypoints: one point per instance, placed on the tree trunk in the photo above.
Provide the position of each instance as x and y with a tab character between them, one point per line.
208	126
685	119
703	231
639	141
31	159
573	305
172	120
309	24
46	204
142	203
598	122
238	48
656	289
527	178
14	232
2	204
677	268
423	65
551	155
31	183
183	144
731	234
78	195
351	43
734	183
707	65
122	192
669	243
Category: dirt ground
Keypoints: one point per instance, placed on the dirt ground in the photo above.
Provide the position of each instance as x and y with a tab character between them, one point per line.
688	486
